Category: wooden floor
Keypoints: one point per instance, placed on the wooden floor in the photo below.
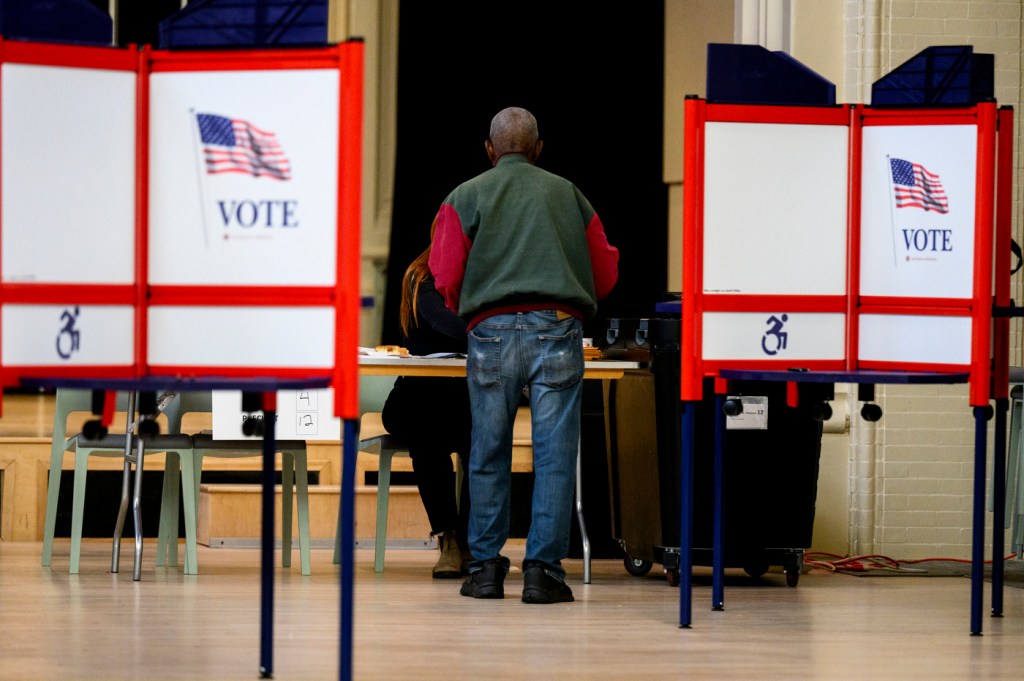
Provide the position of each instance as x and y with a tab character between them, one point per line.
103	626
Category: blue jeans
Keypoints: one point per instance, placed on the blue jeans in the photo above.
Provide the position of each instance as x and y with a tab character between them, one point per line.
507	353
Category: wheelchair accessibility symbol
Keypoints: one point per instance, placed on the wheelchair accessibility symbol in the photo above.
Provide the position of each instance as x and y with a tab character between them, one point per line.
774	339
67	338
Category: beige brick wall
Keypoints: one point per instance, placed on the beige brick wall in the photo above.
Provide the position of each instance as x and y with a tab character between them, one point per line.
913	471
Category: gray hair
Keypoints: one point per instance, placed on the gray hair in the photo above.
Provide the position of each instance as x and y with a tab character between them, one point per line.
514	130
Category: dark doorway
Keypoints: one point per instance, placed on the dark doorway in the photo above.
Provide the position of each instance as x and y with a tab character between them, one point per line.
138	21
590	72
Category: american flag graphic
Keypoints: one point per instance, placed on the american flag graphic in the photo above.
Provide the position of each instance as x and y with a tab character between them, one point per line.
915	187
231	145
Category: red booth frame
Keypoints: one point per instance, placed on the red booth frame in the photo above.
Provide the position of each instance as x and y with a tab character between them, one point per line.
343	296
989	308
987	347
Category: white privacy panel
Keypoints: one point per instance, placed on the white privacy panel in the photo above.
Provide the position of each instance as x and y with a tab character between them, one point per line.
71	335
773	336
917	210
915	339
244	177
67	139
775	208
223	336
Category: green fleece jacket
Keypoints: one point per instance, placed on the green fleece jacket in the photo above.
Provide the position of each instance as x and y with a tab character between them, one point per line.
518	238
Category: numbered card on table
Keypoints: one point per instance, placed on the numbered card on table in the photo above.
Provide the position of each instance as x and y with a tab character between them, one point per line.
301	415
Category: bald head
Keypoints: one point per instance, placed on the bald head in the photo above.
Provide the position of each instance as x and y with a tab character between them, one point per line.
513	131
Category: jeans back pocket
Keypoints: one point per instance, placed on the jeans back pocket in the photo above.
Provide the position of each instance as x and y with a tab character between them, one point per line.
483	360
562	358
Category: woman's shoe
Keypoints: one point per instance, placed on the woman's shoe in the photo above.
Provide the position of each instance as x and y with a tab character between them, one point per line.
449	564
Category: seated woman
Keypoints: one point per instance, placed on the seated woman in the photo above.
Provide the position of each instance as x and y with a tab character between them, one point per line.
431	415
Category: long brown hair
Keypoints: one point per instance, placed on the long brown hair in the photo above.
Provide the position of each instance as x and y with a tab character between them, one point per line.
415	273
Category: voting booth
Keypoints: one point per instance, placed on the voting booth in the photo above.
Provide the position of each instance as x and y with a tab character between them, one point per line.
826	243
186	221
180	214
879	259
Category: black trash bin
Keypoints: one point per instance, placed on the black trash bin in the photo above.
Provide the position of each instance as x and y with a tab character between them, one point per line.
770	474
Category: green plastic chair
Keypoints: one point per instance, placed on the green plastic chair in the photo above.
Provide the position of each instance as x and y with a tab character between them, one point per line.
176	446
294	474
373	393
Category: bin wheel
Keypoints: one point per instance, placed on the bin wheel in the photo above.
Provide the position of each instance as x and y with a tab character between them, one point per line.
672	577
756	570
871	412
792	564
638	567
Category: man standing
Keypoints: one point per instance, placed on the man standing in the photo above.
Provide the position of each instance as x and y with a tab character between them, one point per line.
522	256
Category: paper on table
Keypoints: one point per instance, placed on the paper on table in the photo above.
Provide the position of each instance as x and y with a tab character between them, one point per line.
371	352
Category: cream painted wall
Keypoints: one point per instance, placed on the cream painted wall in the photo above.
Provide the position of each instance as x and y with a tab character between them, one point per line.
376	22
817	39
816	24
689	26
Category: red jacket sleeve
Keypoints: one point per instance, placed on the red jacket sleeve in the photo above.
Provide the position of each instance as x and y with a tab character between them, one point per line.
604	258
448	254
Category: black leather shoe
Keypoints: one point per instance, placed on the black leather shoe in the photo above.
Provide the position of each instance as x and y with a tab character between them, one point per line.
487	582
540	586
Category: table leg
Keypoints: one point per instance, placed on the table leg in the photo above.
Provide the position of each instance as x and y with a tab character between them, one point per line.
122	512
137	509
579	516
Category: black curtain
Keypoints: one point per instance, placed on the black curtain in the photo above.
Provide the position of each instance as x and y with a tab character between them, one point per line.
590	72
138	21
